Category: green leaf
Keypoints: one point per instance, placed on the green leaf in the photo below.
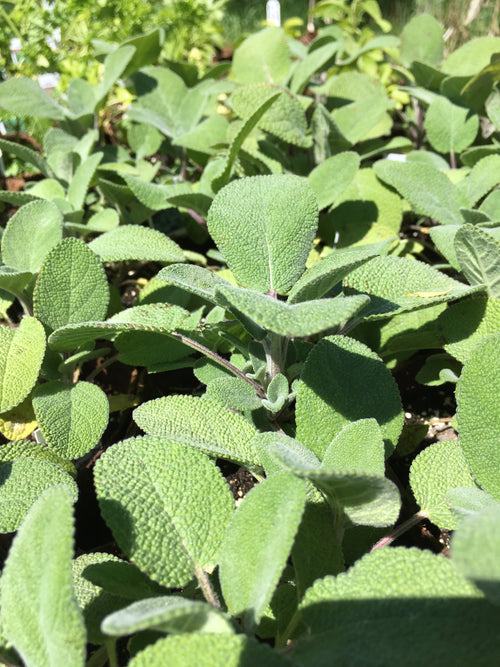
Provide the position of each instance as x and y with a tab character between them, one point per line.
277	393
443	237
203	138
209	650
147	50
472	57
428	191
263	57
40	615
319	279
234	393
478	413
34	450
26	155
330	178
21	356
24	97
264	226
397	284
297	320
135	242
422	40
390	592
333	392
71	418
484	176
153	195
438	369
257	543
29	235
158	317
466	323
167	505
22	482
359	446
438	469
79	185
478	254
172	614
449	127
192	279
314	61
196	422
475	549
72	286
114	66
149	348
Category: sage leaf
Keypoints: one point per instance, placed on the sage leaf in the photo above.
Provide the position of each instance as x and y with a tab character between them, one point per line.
478	254
332	393
167	505
21	355
359	446
71	418
40	615
135	242
277	215
330	178
72	286
277	393
202	423
29	235
450	127
483	177
234	393
413	47
24	97
438	469
192	279
34	450
80	182
263	57
22	482
257	543
27	155
466	323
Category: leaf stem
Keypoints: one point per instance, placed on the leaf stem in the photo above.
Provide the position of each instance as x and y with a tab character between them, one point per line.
206	587
111	649
275	347
111	360
397	532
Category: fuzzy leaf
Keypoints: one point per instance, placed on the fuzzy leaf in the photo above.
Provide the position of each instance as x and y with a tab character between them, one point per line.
209	650
330	178
262	57
26	155
313	62
172	614
257	543
478	254
483	177
466	323
12	280
135	242
450	127
21	356
201	423
167	505
153	195
276	216
471	56
422	40
333	392
71	418
277	393
22	482
279	451
192	279
359	446
478	413
438	469
34	450
29	235
72	286
397	284
40	615
234	393
24	97
300	319
428	191
19	422
80	182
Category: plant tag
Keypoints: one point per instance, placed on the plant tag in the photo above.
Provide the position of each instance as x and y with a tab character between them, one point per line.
273	12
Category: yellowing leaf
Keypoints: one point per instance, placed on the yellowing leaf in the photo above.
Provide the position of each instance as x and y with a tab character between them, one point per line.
18	423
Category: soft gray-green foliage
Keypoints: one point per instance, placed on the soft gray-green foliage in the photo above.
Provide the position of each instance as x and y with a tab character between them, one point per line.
425	50
438	469
257	543
22	482
24	97
234	393
40	615
34	450
72	286
359	446
330	178
134	242
276	216
202	423
72	418
450	127
167	505
262	58
21	356
478	413
81	180
465	323
483	177
478	255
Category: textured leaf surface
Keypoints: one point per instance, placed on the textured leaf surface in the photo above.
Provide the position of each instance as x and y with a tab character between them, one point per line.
192	279
450	127
262	57
13	280
19	422
333	392
34	450
199	422
170	614
209	651
472	56
300	319
475	549
478	413
438	469
330	178
22	482
21	356
26	155
484	176
158	317
72	286
397	284
257	544
24	97
422	40
428	191
167	505
40	615
135	242
71	418
234	393
29	235
81	180
478	254
359	446
466	323
264	226
388	592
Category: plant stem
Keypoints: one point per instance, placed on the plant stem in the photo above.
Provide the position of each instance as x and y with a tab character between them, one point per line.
111	649
453	162
206	587
402	528
275	347
111	360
